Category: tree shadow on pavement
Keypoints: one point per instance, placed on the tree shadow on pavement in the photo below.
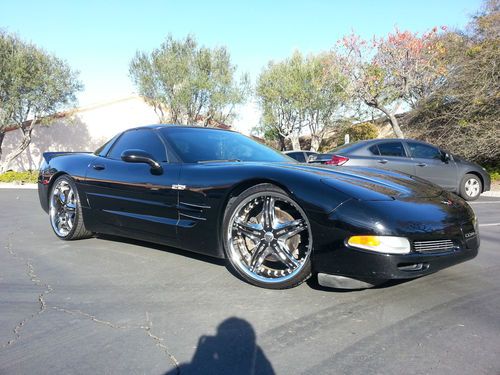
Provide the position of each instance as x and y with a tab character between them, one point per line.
233	350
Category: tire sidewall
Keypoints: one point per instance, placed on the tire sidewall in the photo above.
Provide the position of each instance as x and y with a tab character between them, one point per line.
232	205
70	181
463	192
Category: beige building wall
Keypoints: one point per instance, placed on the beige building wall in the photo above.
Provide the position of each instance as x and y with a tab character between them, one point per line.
85	130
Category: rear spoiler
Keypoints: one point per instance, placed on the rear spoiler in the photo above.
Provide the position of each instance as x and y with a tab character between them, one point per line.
48	156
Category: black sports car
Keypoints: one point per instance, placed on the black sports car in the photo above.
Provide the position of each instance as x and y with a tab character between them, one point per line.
276	221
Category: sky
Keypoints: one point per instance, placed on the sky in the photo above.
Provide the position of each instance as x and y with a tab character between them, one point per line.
99	38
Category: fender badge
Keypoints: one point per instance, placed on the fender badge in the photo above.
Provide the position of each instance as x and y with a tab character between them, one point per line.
470	234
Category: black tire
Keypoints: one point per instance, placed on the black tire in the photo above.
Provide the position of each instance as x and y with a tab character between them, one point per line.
471	187
77	230
302	256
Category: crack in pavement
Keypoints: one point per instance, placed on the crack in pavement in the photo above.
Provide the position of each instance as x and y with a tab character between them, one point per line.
92	317
147	328
159	343
30	271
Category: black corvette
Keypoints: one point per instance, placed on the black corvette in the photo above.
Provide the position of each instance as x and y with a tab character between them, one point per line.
276	221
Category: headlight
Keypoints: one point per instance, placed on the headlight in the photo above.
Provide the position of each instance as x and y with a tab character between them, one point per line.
381	244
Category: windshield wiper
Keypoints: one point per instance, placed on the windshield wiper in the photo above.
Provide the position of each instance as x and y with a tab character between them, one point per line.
218	161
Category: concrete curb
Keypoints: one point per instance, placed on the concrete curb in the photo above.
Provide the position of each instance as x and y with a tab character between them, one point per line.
491	193
13	185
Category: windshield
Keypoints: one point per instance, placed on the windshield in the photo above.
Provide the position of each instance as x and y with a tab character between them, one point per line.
199	145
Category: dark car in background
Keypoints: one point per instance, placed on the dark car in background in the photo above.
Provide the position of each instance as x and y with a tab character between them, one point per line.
416	158
300	156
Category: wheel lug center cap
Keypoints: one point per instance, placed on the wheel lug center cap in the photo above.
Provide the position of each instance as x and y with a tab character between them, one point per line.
268	236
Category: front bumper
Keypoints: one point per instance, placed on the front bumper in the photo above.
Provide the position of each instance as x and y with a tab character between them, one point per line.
421	221
370	266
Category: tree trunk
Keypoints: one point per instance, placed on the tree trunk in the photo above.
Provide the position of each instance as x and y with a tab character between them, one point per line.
2	136
315	142
22	146
393	120
281	142
294	138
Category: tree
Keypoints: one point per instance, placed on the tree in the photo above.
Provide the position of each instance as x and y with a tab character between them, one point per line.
279	94
403	67
34	86
360	132
300	94
463	115
188	84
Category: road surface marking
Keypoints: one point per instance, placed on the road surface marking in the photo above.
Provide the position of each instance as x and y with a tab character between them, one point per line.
489	225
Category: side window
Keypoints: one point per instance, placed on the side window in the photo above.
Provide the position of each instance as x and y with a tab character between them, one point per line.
419	150
140	139
299	156
374	150
391	149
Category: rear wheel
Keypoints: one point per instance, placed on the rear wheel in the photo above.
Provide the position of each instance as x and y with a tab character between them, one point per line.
65	211
267	238
470	187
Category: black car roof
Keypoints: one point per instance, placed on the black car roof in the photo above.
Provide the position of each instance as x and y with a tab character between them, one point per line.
176	126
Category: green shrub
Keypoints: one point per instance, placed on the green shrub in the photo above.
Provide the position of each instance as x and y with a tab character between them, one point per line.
494	171
22	177
359	132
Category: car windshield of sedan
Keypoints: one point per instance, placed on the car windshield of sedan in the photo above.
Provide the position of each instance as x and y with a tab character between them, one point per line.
202	145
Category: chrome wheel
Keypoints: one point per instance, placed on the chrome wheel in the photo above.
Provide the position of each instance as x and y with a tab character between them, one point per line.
62	208
472	187
269	238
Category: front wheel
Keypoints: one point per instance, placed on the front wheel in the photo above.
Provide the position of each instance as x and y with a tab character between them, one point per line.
65	211
470	187
267	238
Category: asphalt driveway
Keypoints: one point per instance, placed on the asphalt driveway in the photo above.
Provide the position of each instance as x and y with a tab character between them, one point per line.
106	305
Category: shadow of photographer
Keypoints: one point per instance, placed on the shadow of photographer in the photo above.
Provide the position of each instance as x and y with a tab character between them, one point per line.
233	350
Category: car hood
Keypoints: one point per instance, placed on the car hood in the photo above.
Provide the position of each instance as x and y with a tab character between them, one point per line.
372	184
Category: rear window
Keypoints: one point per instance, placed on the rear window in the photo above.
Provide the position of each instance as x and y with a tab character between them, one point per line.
391	149
299	156
374	150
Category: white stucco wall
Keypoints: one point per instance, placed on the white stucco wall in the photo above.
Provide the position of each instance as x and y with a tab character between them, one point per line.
85	130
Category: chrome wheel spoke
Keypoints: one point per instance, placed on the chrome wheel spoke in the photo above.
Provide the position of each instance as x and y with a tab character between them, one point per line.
249	230
290	228
258	256
268	215
70	206
284	254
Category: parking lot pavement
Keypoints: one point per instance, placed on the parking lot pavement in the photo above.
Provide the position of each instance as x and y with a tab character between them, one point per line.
106	305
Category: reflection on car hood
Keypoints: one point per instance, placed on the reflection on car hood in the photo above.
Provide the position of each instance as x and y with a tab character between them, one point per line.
372	184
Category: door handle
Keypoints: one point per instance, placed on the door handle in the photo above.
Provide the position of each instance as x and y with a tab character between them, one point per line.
98	167
383	161
422	165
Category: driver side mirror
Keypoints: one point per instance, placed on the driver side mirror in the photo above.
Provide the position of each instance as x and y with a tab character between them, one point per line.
445	157
140	156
